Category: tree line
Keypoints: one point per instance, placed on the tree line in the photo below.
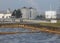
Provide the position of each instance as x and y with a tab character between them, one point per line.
17	13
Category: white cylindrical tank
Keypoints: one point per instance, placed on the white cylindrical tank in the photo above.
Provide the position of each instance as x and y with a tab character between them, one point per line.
50	15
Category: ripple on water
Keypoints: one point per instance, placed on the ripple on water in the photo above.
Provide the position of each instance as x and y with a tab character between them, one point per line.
28	38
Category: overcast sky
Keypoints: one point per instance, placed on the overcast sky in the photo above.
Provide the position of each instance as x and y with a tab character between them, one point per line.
40	5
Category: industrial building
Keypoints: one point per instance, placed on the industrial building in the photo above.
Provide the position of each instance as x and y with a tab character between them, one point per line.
33	13
50	15
25	12
28	13
6	14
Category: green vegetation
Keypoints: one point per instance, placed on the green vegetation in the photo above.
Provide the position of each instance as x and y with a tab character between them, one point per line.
17	13
51	24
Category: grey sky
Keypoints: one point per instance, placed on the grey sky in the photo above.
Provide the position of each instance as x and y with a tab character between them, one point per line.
41	5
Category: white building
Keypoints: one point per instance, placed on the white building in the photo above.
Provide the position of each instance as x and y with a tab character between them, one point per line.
50	15
5	14
1	15
28	13
25	13
33	13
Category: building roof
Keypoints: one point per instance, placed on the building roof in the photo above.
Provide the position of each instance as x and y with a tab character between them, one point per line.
5	12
